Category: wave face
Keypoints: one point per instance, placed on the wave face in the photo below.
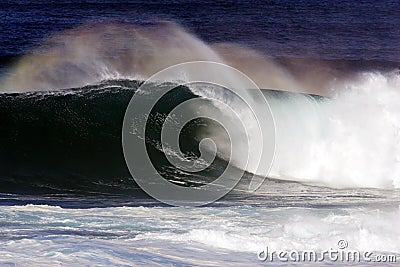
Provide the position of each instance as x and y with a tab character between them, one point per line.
70	140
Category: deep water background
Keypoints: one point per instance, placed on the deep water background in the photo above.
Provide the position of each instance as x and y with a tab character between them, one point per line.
351	30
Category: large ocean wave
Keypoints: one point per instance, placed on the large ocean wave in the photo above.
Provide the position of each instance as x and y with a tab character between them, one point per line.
71	139
63	107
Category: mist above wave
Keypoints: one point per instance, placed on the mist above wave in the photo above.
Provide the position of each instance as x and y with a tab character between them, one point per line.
99	51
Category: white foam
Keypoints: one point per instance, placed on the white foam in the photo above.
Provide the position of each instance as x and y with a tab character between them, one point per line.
296	228
352	140
46	235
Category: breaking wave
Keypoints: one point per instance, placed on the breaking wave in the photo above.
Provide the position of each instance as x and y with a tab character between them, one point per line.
70	139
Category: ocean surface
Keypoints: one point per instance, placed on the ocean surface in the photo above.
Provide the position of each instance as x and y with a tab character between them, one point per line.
329	71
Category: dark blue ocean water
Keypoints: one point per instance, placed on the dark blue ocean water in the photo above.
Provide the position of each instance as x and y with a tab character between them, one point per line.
355	30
